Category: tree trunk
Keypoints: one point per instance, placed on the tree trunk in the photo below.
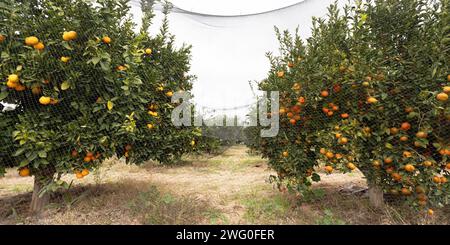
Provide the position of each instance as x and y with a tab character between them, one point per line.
40	200
376	197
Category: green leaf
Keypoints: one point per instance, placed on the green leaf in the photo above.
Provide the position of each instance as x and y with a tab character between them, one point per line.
3	95
42	154
19	152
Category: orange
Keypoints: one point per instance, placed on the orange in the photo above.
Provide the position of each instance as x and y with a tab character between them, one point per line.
280	74
150	126
169	94
323	151
24	172
2	38
338	135
406	126
406	191
422	197
90	154
31	41
193	143
446	89
396	176
69	36
345	115
302	100
351	166
338	156
79	175
447	166
421	135
329	169
87	159
20	87
407	154
282	111
372	100
443	180
148	51
388	160
367	130
329	155
290	64
106	40
409	168
285	154
44	100
40	46
404	138
427	164
74	153
448	78
390	170
290	115
335	108
343	141
442	97
393	131
330	113
324	93
297	117
293	121
436	179
85	172
325	110
12	85
430	212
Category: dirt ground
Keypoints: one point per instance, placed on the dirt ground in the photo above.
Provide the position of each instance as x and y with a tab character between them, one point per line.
230	188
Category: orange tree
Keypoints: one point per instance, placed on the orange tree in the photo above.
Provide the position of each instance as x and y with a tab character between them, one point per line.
85	87
371	90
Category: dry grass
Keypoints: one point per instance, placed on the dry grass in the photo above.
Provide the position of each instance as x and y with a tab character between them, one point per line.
231	188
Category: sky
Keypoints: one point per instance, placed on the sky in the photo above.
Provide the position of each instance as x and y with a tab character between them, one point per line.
230	52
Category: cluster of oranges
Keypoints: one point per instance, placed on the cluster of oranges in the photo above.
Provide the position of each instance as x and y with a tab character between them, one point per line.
13	82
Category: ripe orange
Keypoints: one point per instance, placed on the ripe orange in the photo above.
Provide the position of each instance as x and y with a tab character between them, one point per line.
338	135
343	141
390	170
393	131
24	172
448	78
69	36
447	166
427	164
44	100
443	180
148	51
335	108
2	38
409	168
407	154
297	117
404	138
31	41
345	115
285	154
330	113
442	97
293	121
11	85
85	172
406	126
325	110
396	176
79	175
150	126
329	155
351	166
19	87
302	100
436	179
169	94
87	159
430	212
280	74
74	153
329	169
446	89
323	151
372	100
338	156
40	46
388	160
106	40
421	135
290	115
406	191
324	93
290	64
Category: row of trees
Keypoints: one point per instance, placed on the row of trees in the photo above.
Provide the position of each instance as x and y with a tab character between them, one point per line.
368	91
85	86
